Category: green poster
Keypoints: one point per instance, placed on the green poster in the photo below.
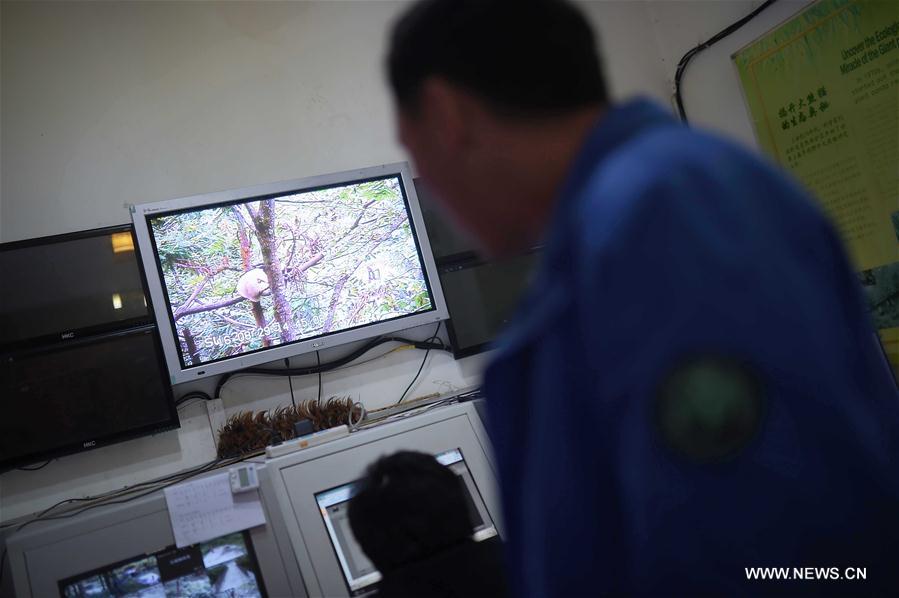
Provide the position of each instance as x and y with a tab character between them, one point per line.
823	93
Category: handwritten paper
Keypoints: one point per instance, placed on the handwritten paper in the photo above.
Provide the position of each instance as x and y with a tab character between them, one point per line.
204	509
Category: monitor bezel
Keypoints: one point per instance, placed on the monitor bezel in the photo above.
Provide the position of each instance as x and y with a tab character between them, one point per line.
340	557
86	331
179	373
171	422
245	534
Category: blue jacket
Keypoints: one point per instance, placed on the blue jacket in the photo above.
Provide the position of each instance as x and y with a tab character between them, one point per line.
670	248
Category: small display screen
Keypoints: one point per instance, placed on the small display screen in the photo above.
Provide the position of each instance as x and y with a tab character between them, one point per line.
482	298
359	572
481	295
222	568
247	275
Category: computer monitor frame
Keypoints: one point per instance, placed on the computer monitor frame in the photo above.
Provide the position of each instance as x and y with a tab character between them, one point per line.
172	566
334	503
295	479
69	333
41	554
180	372
168	414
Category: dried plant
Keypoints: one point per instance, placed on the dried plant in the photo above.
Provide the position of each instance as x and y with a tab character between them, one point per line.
246	432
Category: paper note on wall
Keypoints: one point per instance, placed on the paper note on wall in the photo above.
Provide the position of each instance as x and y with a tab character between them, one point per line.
204	509
823	93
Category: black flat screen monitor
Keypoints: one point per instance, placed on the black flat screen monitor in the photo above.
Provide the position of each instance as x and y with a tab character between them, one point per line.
82	394
482	297
70	286
359	572
481	294
223	567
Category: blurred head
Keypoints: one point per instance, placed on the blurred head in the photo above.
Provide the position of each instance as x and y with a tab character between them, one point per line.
493	99
407	507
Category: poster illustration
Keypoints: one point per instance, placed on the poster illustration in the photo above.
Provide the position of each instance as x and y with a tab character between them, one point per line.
822	91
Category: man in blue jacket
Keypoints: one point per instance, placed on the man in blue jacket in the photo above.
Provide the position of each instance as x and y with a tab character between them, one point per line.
692	388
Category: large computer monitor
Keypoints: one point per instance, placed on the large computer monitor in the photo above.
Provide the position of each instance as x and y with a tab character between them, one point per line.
69	287
243	277
81	364
83	394
358	571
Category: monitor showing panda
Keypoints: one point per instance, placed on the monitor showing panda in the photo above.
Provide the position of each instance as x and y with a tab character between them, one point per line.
244	277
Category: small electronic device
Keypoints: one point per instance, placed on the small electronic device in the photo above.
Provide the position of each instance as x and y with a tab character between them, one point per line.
243	478
303	442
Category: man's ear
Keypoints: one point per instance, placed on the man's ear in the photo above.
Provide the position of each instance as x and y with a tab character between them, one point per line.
449	112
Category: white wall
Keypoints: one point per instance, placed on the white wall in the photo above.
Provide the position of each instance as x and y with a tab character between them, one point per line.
104	104
710	87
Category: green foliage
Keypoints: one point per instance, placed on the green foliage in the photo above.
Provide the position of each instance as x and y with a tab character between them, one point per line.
216	573
359	238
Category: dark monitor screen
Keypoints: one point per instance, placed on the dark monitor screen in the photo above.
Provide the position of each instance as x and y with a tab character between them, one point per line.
82	394
446	240
482	297
358	571
223	567
61	287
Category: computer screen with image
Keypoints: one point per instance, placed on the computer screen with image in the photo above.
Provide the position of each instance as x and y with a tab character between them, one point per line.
225	567
358	571
247	276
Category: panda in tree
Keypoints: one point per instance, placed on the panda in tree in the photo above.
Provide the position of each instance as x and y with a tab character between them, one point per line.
252	284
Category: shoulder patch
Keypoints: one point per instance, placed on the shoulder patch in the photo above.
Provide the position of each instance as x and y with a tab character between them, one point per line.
708	409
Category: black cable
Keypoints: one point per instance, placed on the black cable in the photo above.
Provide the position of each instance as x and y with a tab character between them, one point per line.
332	365
196	394
169	481
35	468
293	400
685	60
422	366
126	490
179	477
318	360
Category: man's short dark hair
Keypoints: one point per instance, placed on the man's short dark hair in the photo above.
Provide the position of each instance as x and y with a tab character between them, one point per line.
531	57
408	507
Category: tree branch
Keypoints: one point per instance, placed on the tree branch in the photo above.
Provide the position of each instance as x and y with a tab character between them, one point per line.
209	306
311	262
240	217
237	323
356	222
335	300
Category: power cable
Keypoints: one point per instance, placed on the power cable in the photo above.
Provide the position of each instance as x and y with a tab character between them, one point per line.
105	499
421	367
293	400
318	361
330	366
685	60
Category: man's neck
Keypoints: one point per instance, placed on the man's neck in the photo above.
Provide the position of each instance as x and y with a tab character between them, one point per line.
542	155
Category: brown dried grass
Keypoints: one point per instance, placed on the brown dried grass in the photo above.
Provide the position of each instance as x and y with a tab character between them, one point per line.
247	432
